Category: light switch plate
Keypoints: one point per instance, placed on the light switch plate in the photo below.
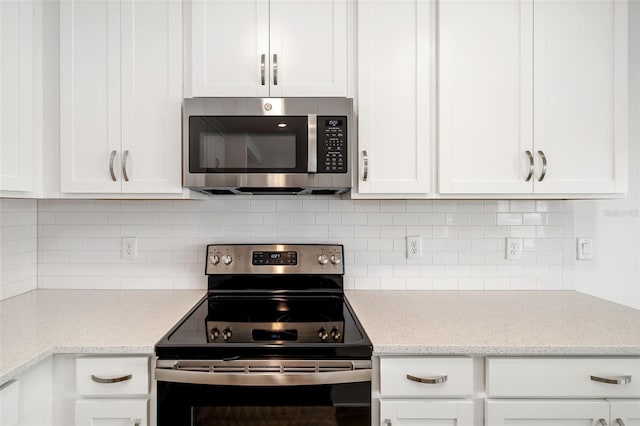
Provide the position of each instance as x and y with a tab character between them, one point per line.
584	248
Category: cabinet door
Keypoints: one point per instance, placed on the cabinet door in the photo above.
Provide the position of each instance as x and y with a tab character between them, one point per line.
90	96
230	48
485	96
151	78
395	46
580	95
112	412
545	412
17	129
308	48
427	413
625	412
10	403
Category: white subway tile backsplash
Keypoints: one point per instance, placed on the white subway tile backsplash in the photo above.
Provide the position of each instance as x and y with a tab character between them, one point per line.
463	241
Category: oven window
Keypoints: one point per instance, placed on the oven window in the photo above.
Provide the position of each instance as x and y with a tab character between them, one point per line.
248	144
182	404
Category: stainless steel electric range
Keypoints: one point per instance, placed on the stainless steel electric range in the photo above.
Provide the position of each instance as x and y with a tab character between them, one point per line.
273	343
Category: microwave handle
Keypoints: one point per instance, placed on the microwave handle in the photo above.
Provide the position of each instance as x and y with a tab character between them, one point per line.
312	148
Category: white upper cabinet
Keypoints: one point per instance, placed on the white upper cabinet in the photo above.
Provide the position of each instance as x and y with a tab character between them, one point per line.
261	48
120	96
533	97
394	97
486	98
581	95
18	129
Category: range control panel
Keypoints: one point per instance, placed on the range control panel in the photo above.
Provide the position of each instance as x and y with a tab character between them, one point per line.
332	144
274	259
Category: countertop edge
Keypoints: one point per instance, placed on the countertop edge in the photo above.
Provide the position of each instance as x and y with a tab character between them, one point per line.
73	350
483	351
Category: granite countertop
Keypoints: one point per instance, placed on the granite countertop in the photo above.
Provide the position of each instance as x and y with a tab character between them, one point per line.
44	322
37	324
496	323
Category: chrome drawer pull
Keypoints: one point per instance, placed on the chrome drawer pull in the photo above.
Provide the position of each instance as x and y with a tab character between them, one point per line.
275	69
137	422
387	422
603	422
111	158
543	173
124	165
262	68
616	380
620	422
531	167
365	160
113	380
432	380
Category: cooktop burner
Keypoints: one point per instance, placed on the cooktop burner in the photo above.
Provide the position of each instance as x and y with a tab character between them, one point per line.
263	304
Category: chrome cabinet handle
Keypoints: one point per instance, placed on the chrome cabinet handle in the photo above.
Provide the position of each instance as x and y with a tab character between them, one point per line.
137	422
431	380
113	156
365	160
531	167
387	422
615	380
620	422
124	165
544	166
111	380
603	422
275	69
262	69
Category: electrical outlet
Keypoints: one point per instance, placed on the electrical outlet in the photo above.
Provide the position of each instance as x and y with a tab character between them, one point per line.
513	249
584	248
129	248
414	247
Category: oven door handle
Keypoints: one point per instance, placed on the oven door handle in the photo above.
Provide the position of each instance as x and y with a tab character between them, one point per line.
262	379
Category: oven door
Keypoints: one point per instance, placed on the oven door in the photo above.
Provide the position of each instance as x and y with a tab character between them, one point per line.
252	144
296	395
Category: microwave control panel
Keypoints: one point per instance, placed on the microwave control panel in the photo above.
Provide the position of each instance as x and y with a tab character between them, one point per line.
332	144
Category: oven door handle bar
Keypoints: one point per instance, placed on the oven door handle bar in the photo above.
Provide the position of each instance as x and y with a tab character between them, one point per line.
262	379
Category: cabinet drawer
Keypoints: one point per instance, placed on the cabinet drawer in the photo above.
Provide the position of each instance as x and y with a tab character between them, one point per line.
112	375
562	377
394	380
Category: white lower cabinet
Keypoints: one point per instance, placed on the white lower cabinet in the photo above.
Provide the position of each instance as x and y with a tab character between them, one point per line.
625	412
117	412
546	412
428	413
110	391
430	391
562	391
27	400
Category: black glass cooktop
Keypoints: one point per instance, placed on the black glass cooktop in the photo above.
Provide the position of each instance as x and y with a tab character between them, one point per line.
258	325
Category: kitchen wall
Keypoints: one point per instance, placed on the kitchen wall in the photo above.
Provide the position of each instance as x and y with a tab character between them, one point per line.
463	241
18	246
614	272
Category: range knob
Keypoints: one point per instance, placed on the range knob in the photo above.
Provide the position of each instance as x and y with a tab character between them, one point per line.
226	334
227	259
336	259
323	334
335	333
323	259
214	259
214	334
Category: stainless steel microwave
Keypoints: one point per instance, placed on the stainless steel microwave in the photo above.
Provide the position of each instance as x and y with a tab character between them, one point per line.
268	145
